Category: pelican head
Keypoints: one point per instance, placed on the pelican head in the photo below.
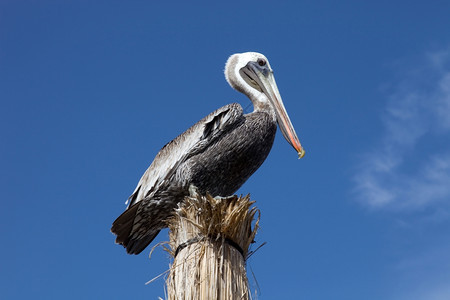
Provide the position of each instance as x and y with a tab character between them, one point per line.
250	73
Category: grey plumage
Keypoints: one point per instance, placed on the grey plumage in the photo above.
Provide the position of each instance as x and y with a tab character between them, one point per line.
216	155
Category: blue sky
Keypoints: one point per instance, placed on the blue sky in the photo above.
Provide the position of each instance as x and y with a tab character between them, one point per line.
91	90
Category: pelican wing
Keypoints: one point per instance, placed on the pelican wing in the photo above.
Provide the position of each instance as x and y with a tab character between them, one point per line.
191	142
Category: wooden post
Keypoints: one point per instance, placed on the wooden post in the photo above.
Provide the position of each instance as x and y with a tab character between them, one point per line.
209	240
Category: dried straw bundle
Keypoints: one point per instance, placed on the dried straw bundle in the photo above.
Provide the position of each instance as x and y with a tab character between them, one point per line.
209	263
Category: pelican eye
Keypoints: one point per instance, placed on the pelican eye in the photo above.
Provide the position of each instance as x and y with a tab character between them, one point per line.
261	62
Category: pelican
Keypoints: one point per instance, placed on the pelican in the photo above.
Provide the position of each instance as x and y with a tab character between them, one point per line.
216	155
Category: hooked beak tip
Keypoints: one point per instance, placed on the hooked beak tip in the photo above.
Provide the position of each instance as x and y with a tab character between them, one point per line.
301	153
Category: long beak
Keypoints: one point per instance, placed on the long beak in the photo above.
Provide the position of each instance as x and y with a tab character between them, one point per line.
266	81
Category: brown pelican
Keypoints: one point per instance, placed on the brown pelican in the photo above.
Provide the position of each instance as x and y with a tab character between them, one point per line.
216	155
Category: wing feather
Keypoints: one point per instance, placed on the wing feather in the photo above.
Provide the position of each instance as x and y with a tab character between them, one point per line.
191	142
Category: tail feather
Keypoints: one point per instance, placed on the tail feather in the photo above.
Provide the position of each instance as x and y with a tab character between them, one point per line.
136	246
137	226
122	227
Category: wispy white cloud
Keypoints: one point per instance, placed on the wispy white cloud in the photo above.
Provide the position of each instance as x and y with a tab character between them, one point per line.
409	168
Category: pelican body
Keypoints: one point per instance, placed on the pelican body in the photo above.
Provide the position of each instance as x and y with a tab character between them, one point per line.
216	155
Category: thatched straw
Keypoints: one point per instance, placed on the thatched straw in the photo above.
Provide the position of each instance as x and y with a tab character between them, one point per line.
213	232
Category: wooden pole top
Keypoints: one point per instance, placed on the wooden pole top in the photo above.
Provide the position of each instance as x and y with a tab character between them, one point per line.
209	240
